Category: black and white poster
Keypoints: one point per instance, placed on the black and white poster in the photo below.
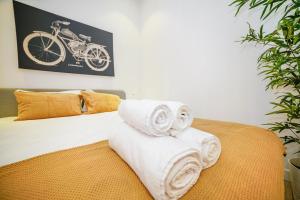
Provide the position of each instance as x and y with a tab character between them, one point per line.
50	42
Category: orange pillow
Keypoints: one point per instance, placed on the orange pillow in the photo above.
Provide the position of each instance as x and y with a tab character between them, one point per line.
41	105
100	102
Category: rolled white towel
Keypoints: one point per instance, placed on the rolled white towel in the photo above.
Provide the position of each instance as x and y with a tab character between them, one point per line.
151	117
183	117
207	144
166	166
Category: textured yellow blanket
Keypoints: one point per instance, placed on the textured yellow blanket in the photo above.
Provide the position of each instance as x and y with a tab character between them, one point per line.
250	168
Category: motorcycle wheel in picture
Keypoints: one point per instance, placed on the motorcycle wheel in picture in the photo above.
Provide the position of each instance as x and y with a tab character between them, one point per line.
44	48
96	57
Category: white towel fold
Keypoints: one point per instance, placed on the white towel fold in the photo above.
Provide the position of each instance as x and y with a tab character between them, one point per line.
167	166
207	144
182	117
151	117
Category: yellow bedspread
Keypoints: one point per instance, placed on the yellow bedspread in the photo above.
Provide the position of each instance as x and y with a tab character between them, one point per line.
250	168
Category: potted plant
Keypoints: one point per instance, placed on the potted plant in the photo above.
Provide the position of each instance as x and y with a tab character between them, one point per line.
280	66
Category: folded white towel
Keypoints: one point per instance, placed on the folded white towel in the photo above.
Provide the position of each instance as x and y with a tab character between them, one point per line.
166	166
151	117
183	117
207	144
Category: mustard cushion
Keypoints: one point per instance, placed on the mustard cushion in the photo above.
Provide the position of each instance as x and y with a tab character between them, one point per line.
41	105
100	102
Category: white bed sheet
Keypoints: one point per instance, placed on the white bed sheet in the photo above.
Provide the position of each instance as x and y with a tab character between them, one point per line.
20	140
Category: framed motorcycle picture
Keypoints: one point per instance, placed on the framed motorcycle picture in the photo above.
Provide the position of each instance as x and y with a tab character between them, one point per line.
51	42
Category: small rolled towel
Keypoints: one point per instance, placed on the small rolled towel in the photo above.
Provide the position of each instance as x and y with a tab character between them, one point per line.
182	117
151	117
207	144
166	166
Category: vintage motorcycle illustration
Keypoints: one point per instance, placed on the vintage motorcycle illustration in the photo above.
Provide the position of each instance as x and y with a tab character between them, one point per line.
50	49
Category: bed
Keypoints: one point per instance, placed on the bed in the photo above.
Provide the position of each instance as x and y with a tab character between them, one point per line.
69	158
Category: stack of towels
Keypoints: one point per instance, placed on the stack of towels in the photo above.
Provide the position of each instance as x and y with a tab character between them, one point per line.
157	142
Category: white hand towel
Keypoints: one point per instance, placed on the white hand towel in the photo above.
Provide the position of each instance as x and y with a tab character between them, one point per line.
151	117
166	166
207	144
182	117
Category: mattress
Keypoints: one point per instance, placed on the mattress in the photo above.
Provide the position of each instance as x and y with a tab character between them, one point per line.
20	140
250	167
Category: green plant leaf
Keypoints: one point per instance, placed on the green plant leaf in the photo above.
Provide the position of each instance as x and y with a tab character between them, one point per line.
279	64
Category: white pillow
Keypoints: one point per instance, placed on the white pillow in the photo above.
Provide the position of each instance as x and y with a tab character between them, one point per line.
84	108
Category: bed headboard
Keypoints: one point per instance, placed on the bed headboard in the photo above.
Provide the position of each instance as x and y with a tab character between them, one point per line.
8	104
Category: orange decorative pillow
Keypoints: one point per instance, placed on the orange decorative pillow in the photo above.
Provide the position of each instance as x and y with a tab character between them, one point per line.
41	105
100	102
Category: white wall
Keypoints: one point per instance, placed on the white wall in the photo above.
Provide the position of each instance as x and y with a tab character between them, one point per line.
118	16
190	53
165	49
